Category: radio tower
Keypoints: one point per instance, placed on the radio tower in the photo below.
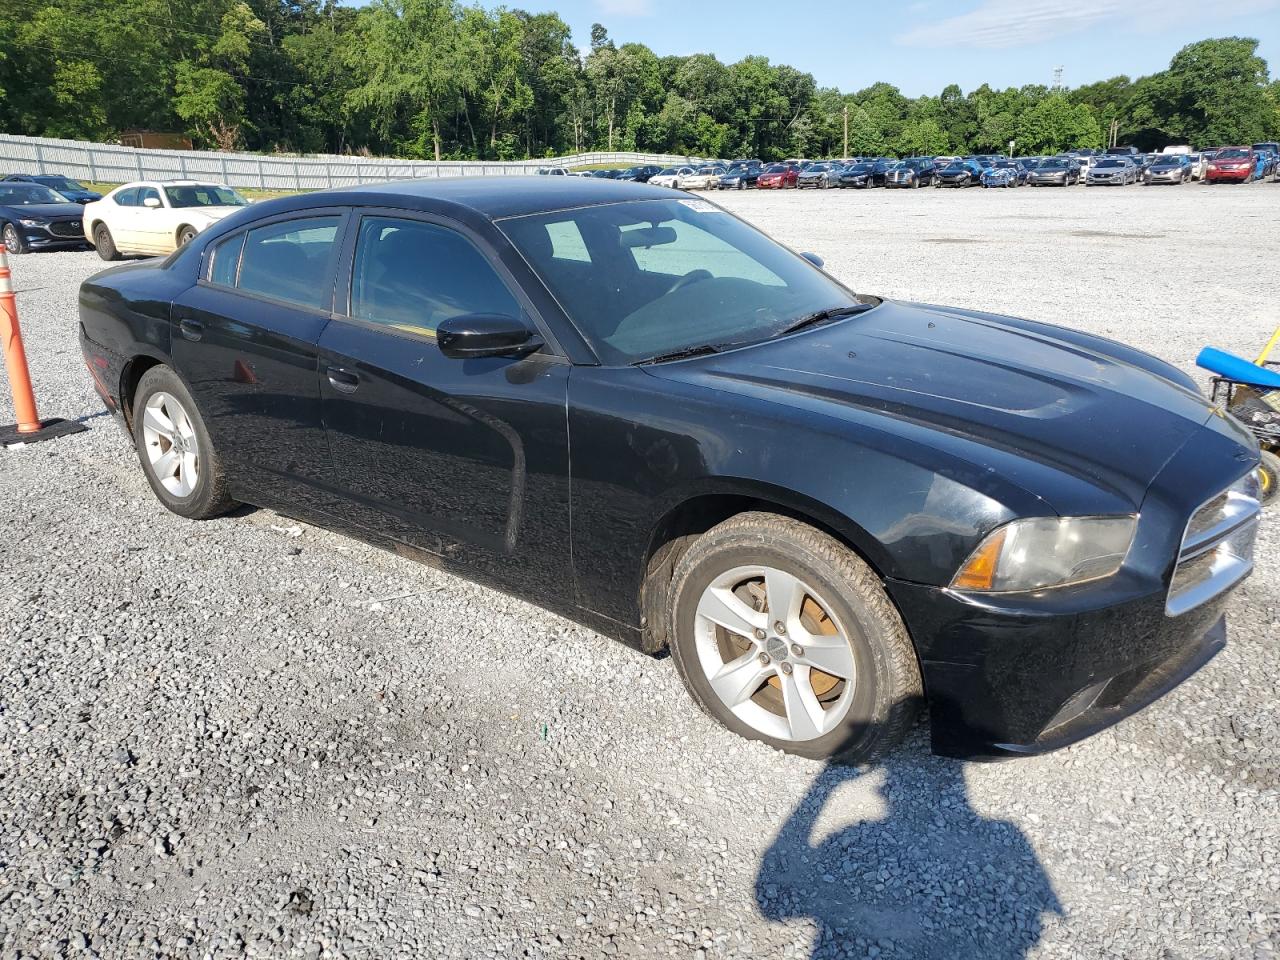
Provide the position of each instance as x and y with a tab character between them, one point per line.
1057	78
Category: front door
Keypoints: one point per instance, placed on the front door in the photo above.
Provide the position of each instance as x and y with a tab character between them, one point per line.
467	459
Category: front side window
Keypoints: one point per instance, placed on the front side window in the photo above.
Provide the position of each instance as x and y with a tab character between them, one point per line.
411	275
666	275
291	261
147	193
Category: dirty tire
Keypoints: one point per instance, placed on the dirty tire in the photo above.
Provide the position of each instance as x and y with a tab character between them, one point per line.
104	244
888	691
209	497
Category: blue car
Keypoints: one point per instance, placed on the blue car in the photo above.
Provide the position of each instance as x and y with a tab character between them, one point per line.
73	190
1004	173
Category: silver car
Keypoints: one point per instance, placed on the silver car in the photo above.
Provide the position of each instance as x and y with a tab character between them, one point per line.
1175	168
1111	171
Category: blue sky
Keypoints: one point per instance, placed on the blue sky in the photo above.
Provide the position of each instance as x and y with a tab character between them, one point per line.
922	45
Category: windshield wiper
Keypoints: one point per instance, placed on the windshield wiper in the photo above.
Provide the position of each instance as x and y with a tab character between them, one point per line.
695	351
821	316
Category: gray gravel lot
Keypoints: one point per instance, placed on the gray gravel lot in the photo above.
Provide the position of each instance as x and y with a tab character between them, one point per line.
249	736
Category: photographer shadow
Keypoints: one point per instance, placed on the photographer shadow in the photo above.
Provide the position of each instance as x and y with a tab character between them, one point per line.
930	879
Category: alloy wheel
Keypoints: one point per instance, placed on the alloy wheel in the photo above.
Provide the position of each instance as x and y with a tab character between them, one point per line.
774	652
170	442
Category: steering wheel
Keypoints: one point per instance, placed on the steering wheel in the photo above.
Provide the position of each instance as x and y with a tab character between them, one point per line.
693	276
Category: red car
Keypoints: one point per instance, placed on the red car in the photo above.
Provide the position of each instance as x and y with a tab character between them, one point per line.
1232	164
778	176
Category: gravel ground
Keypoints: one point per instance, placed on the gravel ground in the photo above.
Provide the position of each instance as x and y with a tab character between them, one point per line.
252	737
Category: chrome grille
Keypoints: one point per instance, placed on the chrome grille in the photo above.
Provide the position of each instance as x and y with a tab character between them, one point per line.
1217	546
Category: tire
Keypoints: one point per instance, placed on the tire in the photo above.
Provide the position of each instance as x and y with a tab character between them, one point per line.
852	720
13	241
1269	471
197	489
104	244
186	234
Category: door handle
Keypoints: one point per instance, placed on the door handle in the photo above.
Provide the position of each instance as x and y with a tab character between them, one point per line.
190	329
344	381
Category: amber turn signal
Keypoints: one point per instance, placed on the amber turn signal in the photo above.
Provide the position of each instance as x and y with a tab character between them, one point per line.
979	571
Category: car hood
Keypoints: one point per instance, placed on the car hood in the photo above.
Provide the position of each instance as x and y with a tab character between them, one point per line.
1080	405
45	211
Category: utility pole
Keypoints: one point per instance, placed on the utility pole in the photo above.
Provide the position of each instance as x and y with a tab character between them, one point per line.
846	132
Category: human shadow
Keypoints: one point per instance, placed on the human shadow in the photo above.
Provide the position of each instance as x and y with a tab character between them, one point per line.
931	879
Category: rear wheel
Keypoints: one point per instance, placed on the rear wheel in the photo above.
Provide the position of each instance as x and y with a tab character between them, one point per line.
104	244
186	234
783	635
13	241
173	444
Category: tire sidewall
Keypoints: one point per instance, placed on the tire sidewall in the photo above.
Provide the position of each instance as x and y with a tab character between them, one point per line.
104	243
858	729
201	500
19	247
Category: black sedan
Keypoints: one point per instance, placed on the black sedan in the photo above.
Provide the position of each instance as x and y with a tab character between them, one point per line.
71	189
960	173
635	409
740	177
865	173
33	217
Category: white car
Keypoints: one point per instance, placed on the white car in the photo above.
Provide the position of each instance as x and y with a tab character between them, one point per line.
704	178
155	216
670	177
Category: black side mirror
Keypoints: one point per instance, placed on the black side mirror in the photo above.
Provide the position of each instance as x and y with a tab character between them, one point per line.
470	335
813	258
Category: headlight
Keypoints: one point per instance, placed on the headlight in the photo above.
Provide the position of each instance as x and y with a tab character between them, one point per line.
32	223
1044	552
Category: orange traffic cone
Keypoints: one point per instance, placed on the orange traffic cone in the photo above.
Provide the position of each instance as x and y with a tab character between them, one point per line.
29	427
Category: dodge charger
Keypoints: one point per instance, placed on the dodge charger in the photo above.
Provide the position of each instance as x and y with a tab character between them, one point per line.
636	410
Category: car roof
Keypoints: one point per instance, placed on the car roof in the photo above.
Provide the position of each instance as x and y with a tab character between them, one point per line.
489	198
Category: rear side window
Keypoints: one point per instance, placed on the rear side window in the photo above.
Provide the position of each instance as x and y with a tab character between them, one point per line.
226	261
291	261
411	275
127	198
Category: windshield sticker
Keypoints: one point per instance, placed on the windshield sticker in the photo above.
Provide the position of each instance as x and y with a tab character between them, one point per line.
700	206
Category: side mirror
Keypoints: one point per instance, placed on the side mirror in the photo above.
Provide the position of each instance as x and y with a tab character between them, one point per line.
471	335
151	202
813	258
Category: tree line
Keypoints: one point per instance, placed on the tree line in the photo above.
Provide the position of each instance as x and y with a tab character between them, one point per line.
436	79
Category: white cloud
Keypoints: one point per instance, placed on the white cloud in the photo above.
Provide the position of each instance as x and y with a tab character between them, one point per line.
625	8
1000	24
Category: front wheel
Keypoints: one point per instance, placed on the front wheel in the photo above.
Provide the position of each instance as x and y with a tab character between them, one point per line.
783	635
1269	475
13	241
173	444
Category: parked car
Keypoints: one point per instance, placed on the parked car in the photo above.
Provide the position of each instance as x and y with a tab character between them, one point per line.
960	173
36	217
819	175
1058	172
1231	165
1169	168
454	368
912	172
1004	173
670	176
640	174
1265	162
155	216
552	172
1112	171
778	176
1129	151
740	177
700	178
1197	165
71	189
867	173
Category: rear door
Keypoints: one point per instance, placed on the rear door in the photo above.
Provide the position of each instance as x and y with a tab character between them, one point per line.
245	341
466	459
122	218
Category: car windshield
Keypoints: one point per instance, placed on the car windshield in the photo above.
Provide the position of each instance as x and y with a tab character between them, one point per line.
24	194
1233	155
60	183
1053	165
776	168
645	278
1110	163
712	170
203	195
818	168
1005	165
957	167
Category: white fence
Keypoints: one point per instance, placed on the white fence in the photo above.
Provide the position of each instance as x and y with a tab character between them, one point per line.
108	163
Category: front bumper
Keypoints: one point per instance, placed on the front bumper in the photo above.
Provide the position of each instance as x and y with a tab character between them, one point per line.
1167	177
53	236
1237	176
1007	678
